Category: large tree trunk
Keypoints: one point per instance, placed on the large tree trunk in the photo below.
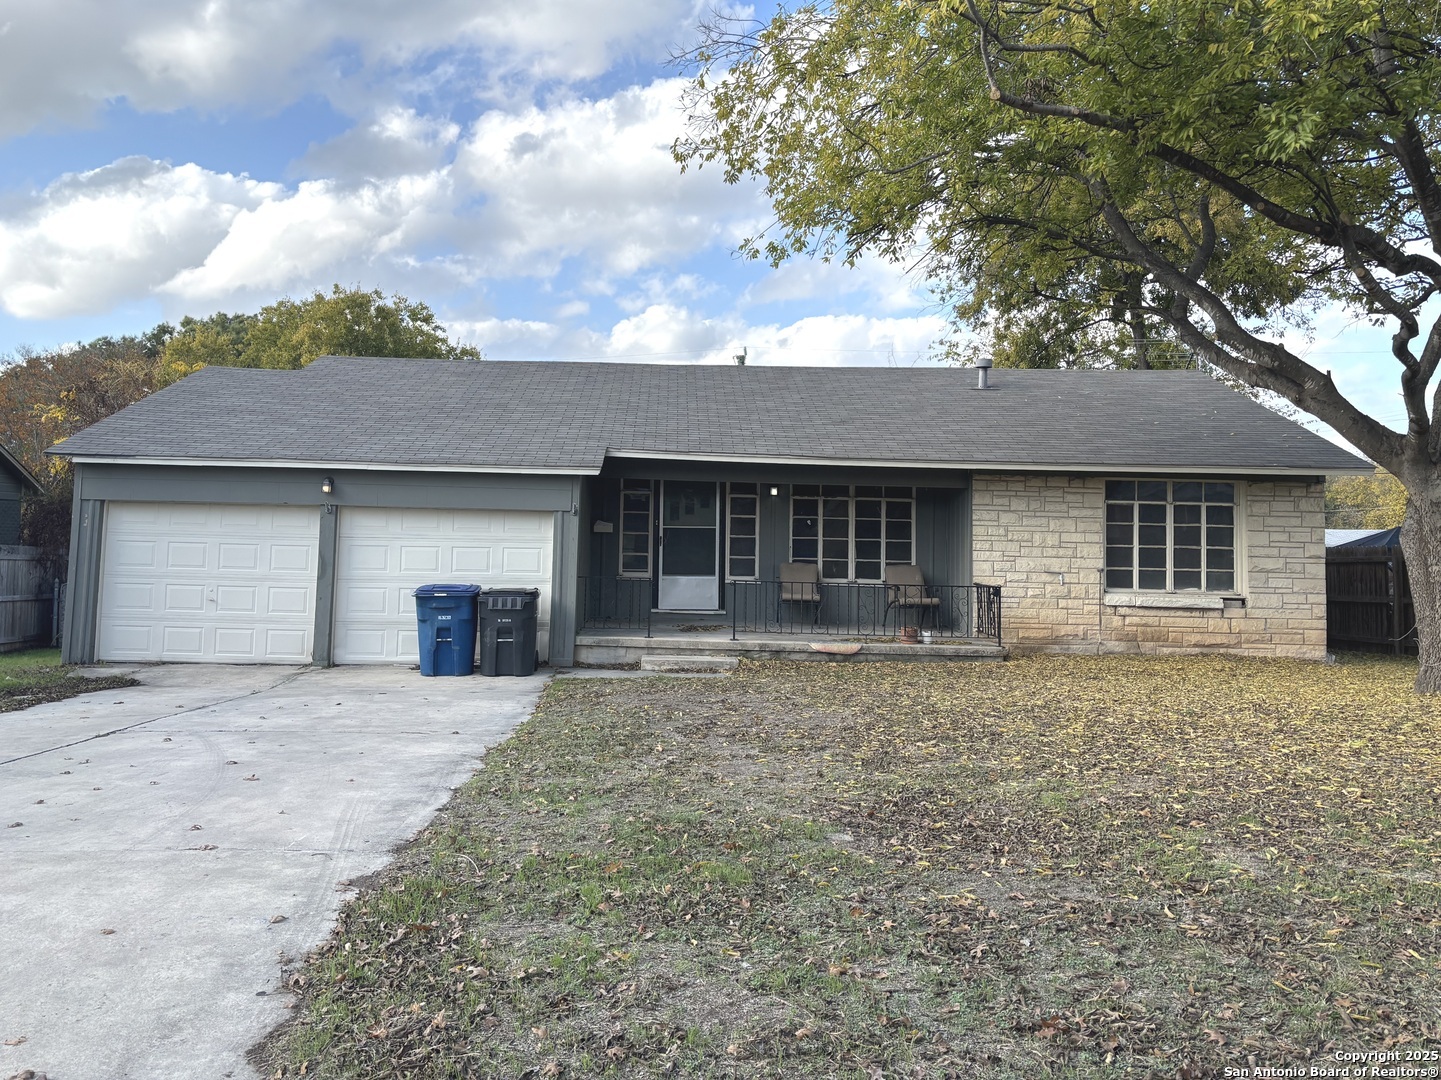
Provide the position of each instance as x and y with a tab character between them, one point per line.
1421	542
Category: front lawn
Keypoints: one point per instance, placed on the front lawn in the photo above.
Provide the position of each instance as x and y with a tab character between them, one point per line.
1052	866
32	676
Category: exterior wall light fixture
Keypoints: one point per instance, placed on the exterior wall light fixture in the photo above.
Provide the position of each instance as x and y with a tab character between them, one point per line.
327	485
775	490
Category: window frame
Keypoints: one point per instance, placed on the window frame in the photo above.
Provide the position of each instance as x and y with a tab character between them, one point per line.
1237	545
885	498
730	518
646	488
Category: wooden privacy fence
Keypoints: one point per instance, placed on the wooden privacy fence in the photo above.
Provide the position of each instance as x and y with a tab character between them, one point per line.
1368	600
27	600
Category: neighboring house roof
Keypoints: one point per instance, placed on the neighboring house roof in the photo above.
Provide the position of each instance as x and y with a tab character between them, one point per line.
1363	538
26	477
548	416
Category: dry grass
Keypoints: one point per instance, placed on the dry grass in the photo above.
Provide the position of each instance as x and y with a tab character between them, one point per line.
1055	866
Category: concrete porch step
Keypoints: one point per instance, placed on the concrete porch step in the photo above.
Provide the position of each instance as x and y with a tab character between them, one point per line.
688	662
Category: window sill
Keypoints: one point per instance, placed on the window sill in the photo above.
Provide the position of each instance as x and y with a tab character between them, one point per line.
1173	601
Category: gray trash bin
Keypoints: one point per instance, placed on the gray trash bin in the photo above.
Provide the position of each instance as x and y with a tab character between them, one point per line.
507	631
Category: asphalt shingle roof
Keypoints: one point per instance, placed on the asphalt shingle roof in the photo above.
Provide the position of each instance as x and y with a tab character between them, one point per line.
545	415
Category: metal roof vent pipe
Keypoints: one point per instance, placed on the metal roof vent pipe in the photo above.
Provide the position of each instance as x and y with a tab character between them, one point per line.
983	373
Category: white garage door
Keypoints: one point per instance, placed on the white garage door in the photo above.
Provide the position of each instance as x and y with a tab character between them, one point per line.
384	554
194	581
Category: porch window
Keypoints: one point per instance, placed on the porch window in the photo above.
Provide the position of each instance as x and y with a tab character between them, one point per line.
1170	535
636	515
853	532
742	505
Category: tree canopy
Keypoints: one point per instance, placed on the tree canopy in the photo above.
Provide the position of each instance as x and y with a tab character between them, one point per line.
47	396
1205	171
291	333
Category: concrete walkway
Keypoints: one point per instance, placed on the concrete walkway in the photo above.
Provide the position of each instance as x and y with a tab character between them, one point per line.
165	847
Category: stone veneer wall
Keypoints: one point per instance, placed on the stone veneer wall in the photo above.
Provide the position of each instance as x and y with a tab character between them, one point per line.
1040	537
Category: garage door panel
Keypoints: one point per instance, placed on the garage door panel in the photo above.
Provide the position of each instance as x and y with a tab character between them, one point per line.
382	555
182	555
287	601
133	596
235	643
423	559
139	554
199	582
292	558
293	645
524	561
184	599
471	560
183	641
239	556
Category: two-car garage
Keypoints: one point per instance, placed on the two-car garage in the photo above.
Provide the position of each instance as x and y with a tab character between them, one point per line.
247	583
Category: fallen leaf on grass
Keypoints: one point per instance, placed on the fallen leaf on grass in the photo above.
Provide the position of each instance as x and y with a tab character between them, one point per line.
277	918
107	931
252	776
16	1041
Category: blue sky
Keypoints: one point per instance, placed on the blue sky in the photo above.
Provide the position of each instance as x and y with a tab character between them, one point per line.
507	164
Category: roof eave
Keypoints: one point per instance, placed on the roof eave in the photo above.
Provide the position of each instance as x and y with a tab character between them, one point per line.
1110	468
337	466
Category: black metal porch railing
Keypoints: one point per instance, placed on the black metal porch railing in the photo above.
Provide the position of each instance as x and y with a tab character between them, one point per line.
854	609
846	609
615	603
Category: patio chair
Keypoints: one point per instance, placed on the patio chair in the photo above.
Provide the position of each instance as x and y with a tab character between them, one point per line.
800	583
906	588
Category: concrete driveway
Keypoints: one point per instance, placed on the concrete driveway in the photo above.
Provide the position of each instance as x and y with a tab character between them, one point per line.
175	841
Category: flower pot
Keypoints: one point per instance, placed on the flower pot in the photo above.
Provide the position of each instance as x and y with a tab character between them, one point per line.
910	635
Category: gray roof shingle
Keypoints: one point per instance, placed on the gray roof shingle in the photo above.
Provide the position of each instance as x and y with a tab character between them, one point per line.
548	415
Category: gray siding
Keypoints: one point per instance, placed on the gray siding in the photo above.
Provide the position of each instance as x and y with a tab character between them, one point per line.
942	508
95	485
9	521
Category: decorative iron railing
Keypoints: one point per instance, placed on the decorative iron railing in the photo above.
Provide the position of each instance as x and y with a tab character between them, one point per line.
838	609
855	609
615	603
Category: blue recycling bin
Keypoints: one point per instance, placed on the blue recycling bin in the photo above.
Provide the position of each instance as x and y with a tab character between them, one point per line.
445	617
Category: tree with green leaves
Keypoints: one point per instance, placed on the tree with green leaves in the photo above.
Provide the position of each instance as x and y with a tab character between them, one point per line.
1211	172
1365	502
291	333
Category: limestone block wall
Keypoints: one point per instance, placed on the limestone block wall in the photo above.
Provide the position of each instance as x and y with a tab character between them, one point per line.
1040	537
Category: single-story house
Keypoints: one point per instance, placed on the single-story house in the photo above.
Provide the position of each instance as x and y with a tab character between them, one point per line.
285	516
16	481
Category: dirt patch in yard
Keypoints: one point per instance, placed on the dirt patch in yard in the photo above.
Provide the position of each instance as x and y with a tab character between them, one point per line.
1056	866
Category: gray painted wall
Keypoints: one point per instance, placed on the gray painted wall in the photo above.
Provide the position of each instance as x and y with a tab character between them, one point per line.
942	518
95	485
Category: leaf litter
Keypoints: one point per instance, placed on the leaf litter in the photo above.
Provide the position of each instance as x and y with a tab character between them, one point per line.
1057	865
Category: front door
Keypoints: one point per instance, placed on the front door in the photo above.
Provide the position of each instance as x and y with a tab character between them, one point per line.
689	545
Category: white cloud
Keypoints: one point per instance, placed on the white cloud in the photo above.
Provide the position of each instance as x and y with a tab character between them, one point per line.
318	233
596	178
66	58
397	142
665	333
93	239
587	182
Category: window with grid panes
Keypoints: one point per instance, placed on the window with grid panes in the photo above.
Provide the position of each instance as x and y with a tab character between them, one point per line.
1171	535
852	532
742	517
636	515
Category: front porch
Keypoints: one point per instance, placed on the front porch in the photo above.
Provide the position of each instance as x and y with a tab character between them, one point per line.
681	636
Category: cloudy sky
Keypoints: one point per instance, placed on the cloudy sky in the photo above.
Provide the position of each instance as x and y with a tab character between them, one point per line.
506	163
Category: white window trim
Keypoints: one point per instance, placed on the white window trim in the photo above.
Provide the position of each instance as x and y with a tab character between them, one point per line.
1181	598
756	558
649	490
851	536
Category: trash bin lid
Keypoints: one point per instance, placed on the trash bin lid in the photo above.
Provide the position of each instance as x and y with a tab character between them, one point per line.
512	592
446	590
